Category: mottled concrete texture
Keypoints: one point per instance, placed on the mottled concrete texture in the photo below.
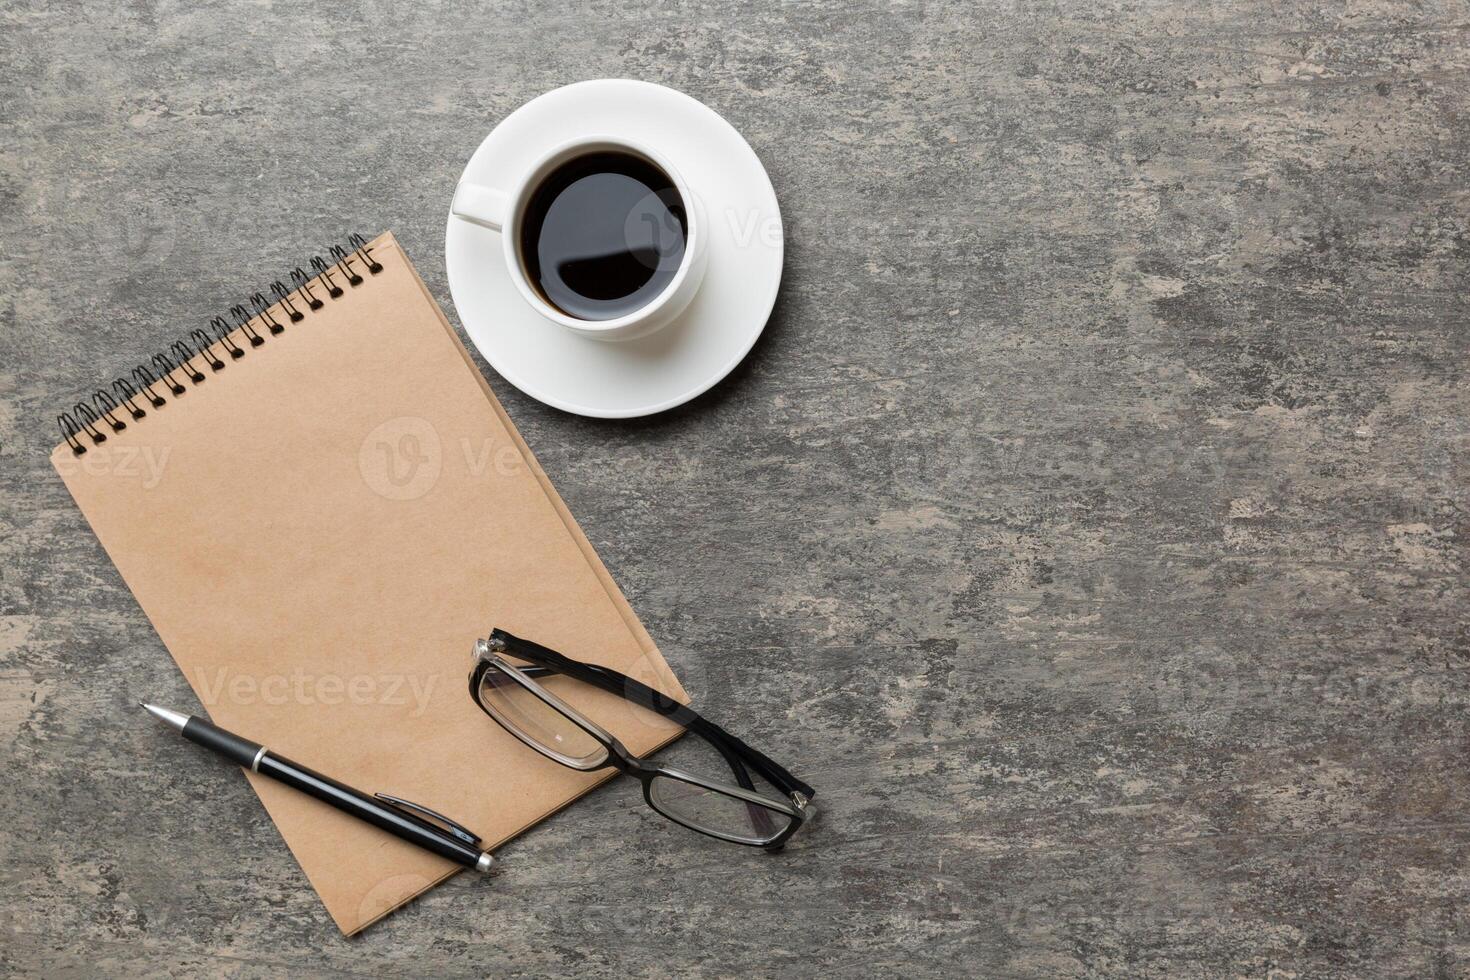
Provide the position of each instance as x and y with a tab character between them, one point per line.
1089	527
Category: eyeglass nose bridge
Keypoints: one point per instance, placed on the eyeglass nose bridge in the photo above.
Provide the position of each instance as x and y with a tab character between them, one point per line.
641	769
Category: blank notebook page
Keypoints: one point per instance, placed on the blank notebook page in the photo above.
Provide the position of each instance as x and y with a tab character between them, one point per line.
324	528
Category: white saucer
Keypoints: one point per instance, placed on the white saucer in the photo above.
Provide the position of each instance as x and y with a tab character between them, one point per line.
607	379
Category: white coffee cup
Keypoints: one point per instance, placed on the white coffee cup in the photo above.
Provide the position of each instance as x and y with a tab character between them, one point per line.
502	210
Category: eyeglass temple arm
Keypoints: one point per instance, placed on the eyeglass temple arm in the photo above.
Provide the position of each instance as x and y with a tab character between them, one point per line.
615	682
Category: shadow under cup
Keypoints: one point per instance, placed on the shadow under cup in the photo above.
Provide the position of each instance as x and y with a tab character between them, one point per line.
603	235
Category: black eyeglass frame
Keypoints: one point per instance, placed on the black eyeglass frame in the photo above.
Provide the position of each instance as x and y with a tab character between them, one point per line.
740	757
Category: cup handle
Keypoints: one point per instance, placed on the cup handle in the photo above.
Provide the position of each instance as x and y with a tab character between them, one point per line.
482	205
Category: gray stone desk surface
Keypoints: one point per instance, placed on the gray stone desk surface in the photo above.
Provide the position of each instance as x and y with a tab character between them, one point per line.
1089	527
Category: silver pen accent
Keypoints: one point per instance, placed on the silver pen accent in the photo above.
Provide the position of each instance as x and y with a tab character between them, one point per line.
169	717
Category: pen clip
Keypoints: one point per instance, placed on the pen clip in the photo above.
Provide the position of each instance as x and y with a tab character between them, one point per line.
418	812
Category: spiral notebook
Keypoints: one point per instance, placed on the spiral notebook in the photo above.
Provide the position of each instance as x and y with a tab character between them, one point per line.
320	507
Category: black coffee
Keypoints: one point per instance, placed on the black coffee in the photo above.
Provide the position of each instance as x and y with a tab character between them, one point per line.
603	235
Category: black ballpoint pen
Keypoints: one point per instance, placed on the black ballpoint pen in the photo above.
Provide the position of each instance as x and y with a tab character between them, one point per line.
401	818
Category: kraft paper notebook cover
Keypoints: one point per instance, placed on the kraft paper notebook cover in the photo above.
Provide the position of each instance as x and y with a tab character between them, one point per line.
319	529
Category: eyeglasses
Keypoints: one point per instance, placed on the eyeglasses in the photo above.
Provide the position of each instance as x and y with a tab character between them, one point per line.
740	812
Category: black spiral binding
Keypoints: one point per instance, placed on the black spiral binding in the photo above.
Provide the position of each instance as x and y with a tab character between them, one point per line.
173	370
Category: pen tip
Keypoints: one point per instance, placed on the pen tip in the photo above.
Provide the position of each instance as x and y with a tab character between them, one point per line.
174	718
